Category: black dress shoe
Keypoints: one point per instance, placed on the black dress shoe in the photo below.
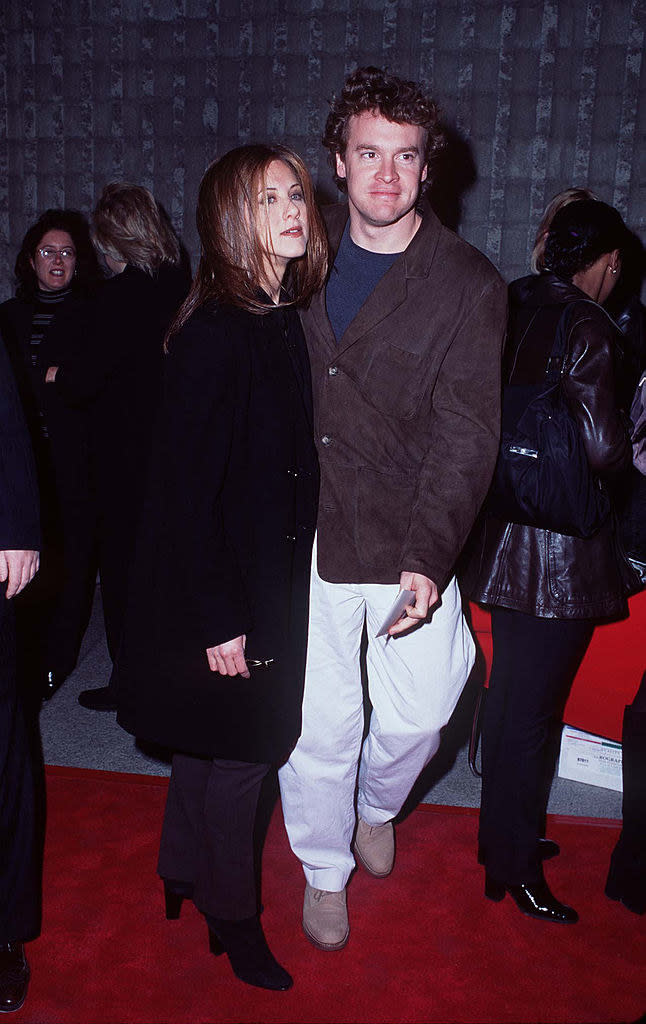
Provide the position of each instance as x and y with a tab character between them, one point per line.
14	976
51	683
249	955
533	898
100	699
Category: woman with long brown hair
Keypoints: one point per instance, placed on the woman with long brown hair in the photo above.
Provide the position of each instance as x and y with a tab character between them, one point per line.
213	657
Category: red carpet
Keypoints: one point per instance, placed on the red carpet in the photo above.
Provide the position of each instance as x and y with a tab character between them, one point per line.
425	945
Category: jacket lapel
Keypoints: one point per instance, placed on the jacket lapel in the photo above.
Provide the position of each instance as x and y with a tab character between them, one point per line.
391	291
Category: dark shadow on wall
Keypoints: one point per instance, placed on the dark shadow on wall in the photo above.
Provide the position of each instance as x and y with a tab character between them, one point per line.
453	174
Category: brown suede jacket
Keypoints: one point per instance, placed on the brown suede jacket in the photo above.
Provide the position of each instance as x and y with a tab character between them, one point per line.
540	572
407	410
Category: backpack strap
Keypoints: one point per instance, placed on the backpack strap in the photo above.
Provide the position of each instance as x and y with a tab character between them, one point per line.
556	362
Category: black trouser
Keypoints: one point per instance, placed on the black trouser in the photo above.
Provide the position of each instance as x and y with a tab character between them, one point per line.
534	663
19	855
207	840
53	612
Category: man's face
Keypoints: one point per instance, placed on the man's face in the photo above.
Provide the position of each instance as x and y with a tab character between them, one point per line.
383	168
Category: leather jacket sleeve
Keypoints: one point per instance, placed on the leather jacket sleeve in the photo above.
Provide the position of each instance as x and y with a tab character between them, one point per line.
590	388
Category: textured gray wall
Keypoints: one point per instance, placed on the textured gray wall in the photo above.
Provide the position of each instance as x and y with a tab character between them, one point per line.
540	94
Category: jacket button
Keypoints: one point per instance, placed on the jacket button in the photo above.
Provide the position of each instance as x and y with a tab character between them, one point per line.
292	472
290	537
326	439
332	371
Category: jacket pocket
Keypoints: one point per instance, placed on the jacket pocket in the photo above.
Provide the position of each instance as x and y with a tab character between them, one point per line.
581	573
394	381
382	515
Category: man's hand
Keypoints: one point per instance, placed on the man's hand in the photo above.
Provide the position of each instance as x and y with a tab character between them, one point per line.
228	658
50	376
425	597
18	568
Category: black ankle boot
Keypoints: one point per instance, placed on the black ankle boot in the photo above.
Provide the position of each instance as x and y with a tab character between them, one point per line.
175	892
249	955
533	898
14	976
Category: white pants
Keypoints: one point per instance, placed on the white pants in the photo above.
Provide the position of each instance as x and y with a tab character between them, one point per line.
414	682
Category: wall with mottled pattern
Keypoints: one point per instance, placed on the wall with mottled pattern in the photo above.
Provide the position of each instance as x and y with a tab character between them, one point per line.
539	94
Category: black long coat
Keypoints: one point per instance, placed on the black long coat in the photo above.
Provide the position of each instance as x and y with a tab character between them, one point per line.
225	541
19	530
117	382
63	457
52	613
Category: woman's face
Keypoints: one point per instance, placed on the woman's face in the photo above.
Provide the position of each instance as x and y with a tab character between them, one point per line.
54	261
282	226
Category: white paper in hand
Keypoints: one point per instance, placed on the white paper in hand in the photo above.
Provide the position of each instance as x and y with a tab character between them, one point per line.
397	610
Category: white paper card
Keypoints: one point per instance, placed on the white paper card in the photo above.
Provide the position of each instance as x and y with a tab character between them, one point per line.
396	611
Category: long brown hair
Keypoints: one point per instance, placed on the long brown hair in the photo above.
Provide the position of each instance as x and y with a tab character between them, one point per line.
231	267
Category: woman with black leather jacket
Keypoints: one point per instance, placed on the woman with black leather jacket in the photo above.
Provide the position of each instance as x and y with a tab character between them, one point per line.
547	590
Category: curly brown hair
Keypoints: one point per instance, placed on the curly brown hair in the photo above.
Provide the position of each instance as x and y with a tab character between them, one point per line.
394	98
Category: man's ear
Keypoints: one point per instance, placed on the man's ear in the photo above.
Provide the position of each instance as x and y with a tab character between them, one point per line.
424	173
340	166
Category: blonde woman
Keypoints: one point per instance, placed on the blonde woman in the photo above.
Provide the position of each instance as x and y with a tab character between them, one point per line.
119	379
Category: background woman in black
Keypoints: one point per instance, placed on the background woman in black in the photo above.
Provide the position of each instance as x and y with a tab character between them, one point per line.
118	382
48	321
221	581
547	590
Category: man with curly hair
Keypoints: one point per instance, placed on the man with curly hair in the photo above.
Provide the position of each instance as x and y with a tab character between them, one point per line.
405	346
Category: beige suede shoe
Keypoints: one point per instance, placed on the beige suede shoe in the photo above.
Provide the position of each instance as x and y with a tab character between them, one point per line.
374	845
325	918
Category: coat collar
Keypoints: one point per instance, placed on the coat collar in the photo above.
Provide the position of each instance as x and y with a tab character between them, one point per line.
544	290
419	254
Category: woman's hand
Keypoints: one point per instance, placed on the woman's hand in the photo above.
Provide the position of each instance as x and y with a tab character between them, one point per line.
228	658
50	376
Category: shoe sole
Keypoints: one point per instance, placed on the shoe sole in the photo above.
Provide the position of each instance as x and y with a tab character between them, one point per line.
375	874
327	947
